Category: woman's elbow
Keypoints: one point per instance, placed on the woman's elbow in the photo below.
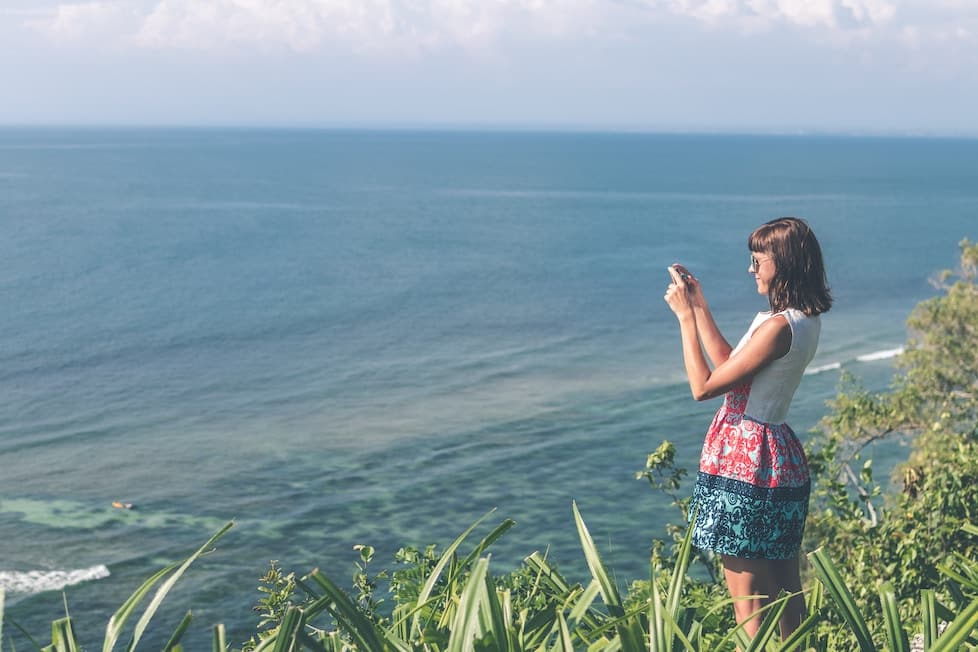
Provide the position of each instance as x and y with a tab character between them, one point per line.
701	394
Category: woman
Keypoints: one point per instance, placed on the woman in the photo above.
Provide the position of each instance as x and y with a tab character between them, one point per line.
751	495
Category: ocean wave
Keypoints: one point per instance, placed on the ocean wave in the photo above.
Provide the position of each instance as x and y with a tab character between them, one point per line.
38	581
884	354
880	355
811	371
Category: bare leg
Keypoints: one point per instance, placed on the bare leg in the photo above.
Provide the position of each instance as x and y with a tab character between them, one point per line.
785	576
747	577
764	579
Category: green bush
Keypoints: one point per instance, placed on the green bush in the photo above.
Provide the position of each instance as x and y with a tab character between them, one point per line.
907	537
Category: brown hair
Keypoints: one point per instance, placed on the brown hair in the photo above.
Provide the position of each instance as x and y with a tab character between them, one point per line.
799	275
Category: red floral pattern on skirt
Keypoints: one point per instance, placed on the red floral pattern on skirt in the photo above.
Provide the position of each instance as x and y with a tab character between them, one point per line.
762	454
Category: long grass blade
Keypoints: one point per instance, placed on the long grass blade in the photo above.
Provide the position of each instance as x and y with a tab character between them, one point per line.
770	624
165	587
443	561
288	631
347	615
891	618
674	636
583	602
659	633
118	620
798	638
564	642
219	642
738	635
959	630
928	610
495	618
836	587
609	592
174	642
488	540
679	572
467	625
63	636
552	581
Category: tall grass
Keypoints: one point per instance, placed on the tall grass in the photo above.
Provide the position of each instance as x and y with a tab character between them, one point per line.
459	606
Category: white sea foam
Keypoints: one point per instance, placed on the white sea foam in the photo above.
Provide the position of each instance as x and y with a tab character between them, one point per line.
884	354
38	581
880	355
811	371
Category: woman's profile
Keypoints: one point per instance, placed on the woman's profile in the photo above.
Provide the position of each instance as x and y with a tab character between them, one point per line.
751	494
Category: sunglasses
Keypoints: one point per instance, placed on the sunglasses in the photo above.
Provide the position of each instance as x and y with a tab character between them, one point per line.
755	262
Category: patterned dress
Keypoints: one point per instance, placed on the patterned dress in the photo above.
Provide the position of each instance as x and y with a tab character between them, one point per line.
751	493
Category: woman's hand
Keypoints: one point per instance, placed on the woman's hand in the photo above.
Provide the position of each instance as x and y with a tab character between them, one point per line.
681	293
693	287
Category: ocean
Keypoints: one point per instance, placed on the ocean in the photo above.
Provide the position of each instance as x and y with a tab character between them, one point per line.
375	337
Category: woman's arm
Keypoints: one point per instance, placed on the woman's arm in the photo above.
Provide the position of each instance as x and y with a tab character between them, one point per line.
717	347
770	341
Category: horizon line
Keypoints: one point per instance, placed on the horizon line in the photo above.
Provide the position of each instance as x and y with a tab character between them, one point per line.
510	128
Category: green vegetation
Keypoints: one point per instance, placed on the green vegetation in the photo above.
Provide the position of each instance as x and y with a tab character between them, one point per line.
887	569
908	538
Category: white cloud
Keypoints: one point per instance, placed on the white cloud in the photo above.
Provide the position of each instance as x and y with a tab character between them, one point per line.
304	25
85	21
418	26
831	14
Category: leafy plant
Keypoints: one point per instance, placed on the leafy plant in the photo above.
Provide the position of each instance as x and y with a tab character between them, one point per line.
933	406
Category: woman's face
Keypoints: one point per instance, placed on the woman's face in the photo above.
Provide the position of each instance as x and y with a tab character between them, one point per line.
762	268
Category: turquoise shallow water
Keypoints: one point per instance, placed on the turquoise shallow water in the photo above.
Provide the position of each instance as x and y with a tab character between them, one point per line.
375	337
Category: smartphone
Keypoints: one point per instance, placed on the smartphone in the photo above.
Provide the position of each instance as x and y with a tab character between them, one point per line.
683	275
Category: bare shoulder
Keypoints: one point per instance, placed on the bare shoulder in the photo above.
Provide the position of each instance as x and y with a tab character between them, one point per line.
774	334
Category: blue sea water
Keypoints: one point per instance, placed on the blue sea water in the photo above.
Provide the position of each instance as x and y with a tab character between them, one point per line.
337	338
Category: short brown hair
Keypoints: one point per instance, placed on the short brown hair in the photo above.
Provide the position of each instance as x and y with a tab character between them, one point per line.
799	274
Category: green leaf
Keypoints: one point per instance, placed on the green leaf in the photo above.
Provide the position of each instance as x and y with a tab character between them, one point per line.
609	592
959	630
165	587
659	633
891	616
219	640
679	572
63	636
771	623
797	639
118	620
288	631
443	561
364	632
928	608
467	625
174	642
583	603
842	598
566	643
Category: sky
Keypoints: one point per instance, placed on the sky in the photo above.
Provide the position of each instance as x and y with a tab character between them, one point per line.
783	66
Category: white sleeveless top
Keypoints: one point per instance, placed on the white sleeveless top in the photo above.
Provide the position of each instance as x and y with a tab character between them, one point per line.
774	386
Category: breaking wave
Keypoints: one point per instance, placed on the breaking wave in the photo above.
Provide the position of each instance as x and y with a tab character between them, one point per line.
884	354
38	581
